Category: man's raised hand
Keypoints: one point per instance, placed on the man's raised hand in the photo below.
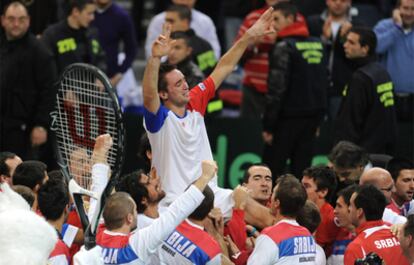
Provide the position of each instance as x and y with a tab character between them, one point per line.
163	44
263	26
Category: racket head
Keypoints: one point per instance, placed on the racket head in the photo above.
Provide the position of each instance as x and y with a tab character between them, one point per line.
86	107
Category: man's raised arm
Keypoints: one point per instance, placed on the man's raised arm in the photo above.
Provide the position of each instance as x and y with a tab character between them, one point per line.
226	64
160	48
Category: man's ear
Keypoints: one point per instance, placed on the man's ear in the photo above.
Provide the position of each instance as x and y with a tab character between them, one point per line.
144	201
322	193
365	49
129	218
163	95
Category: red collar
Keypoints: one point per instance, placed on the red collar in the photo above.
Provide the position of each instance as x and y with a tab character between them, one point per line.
368	224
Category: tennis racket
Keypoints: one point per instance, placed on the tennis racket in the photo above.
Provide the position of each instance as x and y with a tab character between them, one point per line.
86	107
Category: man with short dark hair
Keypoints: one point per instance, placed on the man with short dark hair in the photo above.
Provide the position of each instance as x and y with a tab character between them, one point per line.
367	115
72	40
402	172
373	235
406	238
258	180
286	242
8	163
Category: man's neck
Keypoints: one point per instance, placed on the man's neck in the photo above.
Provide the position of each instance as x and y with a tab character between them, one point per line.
72	23
180	111
339	18
197	222
57	224
124	229
152	211
398	200
320	203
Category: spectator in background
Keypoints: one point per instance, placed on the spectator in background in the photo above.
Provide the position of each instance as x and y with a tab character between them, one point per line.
320	183
332	26
396	49
8	163
258	180
180	55
296	97
202	54
406	239
201	24
367	115
256	67
72	40
116	30
27	76
402	172
373	235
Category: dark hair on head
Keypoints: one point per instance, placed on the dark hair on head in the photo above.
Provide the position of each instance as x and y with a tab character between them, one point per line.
309	216
347	192
4	168
291	195
27	194
181	35
324	178
53	197
246	174
14	4
348	155
117	207
69	5
132	185
143	148
29	173
184	12
409	226
371	200
205	206
287	9
367	37
165	68
397	164
57	175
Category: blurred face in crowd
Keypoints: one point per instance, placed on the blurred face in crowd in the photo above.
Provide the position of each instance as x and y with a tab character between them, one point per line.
404	186
85	16
354	213
259	183
15	21
272	2
349	175
406	243
387	187
179	52
11	164
177	24
189	3
338	8
280	21
341	212
407	12
353	48
80	167
312	191
153	185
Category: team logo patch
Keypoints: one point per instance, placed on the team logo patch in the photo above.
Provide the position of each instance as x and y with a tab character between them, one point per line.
202	86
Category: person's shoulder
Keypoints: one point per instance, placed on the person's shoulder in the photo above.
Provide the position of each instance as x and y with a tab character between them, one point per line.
386	22
158	18
201	17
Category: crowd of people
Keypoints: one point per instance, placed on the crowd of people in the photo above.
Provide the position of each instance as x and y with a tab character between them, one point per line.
299	69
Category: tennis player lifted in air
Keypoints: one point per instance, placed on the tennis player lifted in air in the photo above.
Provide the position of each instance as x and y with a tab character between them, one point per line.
174	119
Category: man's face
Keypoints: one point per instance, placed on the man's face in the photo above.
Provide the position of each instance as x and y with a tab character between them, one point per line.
348	175
387	187
274	204
134	216
11	163
179	52
178	92
80	167
353	211
85	16
353	48
342	213
406	242
280	21
177	24
260	183
338	8
153	186
189	3
311	189
15	22
407	12
405	185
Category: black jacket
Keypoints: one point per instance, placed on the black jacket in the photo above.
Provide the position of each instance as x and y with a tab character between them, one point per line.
74	45
297	79
27	77
192	73
367	114
202	54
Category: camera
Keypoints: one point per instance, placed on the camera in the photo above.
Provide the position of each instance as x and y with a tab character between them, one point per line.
370	259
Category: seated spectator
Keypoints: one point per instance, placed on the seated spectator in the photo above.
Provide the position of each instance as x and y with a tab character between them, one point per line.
395	46
200	23
258	180
402	172
181	56
346	232
406	238
310	218
382	180
53	200
287	201
8	163
320	183
72	40
373	235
